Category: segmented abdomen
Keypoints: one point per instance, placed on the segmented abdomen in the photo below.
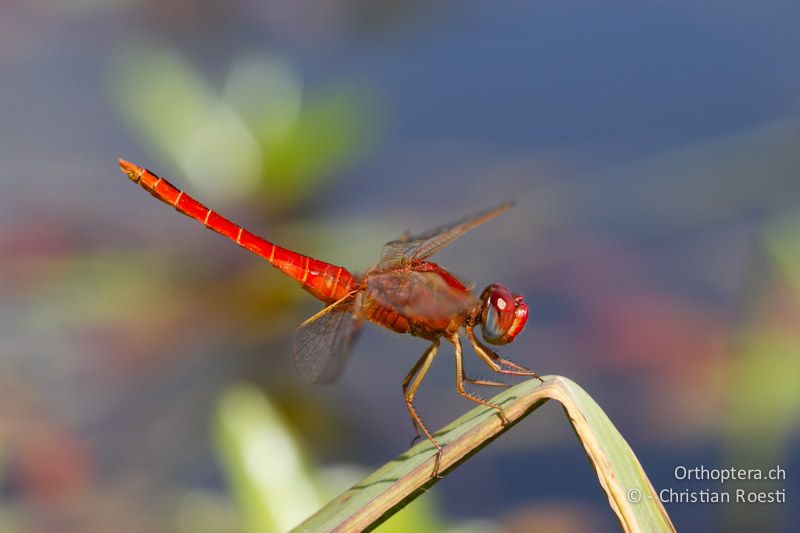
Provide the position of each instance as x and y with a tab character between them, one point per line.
325	281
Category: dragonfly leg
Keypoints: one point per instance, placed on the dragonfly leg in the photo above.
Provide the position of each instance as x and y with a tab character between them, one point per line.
407	380
460	381
494	361
410	385
482	382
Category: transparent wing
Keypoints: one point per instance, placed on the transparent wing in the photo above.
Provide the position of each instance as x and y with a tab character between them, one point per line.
322	342
406	249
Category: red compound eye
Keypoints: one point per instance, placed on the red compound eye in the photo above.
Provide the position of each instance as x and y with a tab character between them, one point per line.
503	316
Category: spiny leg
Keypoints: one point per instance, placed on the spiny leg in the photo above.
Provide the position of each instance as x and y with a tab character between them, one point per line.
460	381
410	385
494	361
483	382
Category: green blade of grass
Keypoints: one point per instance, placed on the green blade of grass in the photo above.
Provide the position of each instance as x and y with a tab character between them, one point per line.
389	488
265	466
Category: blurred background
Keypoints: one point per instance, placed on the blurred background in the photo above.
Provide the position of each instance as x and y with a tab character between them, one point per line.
652	149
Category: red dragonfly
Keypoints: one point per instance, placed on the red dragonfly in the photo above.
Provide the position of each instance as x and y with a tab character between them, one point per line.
404	292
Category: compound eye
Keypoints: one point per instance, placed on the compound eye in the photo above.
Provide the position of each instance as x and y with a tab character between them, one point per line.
498	315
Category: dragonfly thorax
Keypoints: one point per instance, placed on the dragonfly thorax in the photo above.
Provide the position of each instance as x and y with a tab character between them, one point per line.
502	315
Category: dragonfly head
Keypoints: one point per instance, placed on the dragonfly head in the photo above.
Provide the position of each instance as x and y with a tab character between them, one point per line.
503	315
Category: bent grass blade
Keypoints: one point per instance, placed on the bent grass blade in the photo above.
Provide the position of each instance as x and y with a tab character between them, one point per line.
392	486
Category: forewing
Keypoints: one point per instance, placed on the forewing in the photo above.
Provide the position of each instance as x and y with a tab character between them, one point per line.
322	342
403	251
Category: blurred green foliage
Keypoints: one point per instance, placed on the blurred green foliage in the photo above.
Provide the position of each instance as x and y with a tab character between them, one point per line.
263	133
273	481
763	376
782	238
267	470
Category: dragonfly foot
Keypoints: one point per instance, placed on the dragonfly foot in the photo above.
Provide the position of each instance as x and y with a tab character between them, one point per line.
503	418
436	465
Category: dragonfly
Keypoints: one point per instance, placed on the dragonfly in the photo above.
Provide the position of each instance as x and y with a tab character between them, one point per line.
404	292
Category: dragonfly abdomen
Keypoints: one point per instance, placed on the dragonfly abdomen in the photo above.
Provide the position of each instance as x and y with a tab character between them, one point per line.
325	281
